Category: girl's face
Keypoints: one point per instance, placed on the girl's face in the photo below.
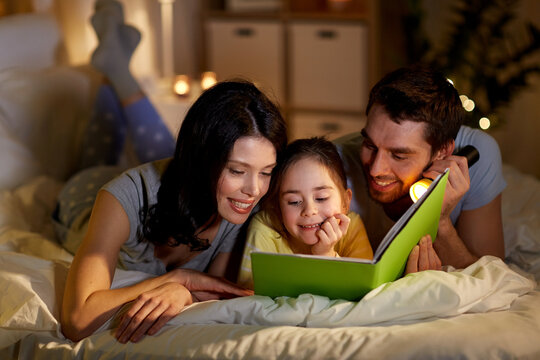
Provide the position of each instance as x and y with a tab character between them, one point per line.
308	196
245	178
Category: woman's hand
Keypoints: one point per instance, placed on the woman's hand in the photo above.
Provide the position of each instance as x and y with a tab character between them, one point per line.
207	287
151	310
423	257
154	308
331	231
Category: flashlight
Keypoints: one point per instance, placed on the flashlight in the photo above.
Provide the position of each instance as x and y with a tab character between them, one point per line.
420	187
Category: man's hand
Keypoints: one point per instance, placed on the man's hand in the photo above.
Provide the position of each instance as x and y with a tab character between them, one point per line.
458	180
423	257
331	231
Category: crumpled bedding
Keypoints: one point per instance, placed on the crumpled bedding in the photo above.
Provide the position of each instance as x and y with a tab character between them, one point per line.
33	269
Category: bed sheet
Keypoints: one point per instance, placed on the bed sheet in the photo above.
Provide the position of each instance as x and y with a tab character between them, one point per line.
488	310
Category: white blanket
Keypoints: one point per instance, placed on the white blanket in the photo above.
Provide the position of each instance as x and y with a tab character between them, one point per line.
487	285
33	270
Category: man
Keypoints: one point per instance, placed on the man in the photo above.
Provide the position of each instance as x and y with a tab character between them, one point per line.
414	124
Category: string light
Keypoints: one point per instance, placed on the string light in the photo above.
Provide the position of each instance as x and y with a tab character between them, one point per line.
484	123
469	105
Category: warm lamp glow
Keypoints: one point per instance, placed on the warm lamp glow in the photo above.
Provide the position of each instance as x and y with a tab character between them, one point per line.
337	5
182	85
208	79
419	188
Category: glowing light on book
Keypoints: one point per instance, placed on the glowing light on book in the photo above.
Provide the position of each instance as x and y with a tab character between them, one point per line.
419	188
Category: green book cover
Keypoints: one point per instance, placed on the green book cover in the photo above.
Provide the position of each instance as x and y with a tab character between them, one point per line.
349	278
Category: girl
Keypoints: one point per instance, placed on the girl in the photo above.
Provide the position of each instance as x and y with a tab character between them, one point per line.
306	213
308	210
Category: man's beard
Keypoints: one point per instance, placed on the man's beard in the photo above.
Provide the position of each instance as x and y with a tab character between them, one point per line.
387	197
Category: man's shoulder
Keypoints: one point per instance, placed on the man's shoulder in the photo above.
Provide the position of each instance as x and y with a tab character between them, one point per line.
486	175
476	137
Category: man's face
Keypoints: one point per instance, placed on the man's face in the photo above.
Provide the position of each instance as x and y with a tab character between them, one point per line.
393	155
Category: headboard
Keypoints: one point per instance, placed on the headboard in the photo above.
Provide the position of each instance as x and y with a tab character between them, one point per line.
43	106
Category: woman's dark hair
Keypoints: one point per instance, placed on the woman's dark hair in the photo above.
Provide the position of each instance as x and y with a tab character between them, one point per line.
421	94
186	199
319	149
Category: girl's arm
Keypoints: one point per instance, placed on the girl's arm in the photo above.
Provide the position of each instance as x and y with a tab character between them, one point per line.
88	300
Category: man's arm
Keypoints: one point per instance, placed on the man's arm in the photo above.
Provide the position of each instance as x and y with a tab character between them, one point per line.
481	229
477	233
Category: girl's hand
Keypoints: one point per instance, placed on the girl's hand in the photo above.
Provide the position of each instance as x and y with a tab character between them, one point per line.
331	231
423	257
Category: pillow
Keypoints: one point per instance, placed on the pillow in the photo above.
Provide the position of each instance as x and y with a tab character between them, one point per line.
43	114
28	40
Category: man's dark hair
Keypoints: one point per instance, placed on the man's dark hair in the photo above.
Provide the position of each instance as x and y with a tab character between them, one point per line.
421	94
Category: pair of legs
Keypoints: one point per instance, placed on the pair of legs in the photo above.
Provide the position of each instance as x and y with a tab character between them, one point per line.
121	108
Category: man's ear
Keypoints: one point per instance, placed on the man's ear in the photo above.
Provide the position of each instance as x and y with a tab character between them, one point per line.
445	151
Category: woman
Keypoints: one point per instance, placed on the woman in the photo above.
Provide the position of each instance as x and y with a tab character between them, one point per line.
174	218
187	218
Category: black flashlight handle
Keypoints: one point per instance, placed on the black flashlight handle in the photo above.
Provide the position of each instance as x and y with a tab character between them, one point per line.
470	153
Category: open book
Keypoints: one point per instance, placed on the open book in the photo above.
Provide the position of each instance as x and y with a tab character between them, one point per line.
350	278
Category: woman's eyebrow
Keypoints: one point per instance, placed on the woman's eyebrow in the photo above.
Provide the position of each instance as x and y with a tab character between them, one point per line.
239	162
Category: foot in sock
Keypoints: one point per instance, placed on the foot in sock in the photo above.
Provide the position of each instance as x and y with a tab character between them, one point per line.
117	43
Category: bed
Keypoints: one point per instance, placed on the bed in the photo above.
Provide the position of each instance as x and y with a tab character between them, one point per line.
490	310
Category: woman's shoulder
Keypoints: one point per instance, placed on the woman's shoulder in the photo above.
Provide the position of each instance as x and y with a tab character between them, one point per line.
153	169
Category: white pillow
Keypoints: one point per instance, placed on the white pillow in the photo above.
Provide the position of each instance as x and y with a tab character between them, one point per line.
43	114
29	41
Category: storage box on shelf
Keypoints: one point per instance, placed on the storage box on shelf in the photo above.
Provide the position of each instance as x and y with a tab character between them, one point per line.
317	58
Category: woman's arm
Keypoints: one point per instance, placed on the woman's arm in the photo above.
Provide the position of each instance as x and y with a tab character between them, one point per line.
88	300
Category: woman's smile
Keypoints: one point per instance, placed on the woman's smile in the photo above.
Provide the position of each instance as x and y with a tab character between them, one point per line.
242	207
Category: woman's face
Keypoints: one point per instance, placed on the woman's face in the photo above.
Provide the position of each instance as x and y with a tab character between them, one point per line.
307	197
245	178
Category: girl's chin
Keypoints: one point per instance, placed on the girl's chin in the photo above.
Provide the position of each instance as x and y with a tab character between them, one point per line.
309	241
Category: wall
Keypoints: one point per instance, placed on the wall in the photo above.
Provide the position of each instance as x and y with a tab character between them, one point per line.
518	136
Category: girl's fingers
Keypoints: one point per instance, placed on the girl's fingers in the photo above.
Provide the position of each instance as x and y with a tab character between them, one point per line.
343	222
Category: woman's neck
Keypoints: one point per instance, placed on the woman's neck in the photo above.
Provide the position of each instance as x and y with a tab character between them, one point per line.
209	229
176	256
